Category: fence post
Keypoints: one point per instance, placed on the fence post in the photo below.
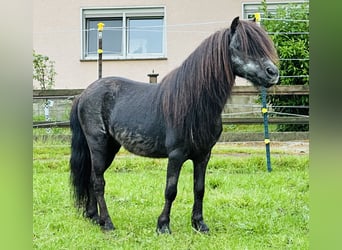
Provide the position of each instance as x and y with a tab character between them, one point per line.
48	103
257	18
153	77
267	137
99	50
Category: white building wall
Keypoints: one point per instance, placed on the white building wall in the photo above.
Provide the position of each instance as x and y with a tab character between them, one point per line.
57	34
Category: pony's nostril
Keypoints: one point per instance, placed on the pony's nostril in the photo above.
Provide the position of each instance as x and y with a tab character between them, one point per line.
272	71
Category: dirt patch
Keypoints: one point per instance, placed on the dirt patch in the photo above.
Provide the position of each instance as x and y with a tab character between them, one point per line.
293	147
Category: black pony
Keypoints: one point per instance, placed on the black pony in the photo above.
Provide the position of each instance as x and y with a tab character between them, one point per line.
180	118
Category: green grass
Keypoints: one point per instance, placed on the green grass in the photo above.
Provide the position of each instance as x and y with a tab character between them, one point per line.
245	206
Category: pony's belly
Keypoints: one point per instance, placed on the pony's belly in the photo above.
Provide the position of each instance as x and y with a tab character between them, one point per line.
141	144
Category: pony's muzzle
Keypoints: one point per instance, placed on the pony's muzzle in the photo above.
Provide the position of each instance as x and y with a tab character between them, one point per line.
273	74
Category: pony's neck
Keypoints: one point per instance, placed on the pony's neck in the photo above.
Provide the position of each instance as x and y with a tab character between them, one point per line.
197	91
207	73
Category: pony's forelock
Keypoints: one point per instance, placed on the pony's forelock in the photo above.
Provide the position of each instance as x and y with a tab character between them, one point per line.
255	42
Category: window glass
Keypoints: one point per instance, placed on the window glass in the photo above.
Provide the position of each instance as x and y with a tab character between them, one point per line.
145	36
111	36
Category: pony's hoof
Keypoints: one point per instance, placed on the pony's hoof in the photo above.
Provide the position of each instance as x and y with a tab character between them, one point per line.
200	226
108	226
95	219
165	229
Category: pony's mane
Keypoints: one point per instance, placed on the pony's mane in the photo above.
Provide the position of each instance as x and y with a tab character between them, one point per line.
194	94
207	71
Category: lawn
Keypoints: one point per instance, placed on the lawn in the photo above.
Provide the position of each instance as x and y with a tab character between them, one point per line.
245	206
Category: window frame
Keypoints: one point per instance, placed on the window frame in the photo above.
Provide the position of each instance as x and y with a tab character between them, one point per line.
123	13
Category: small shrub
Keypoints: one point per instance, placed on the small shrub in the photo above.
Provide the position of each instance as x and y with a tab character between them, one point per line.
292	42
43	71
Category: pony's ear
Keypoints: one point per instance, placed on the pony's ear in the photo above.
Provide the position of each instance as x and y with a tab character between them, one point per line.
234	24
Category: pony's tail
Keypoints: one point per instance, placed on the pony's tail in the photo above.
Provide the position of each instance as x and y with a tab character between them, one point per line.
80	161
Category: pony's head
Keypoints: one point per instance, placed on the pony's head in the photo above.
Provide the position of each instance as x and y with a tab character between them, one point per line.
253	54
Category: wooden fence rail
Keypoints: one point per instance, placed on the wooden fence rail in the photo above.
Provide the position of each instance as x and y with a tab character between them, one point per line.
237	90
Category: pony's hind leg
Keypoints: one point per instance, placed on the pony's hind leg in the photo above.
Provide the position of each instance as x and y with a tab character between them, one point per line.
91	211
102	156
199	187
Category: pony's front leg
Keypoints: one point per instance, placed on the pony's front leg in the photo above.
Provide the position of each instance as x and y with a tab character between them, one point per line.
175	162
197	220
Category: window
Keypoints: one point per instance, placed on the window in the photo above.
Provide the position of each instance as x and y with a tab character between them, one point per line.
249	9
129	33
